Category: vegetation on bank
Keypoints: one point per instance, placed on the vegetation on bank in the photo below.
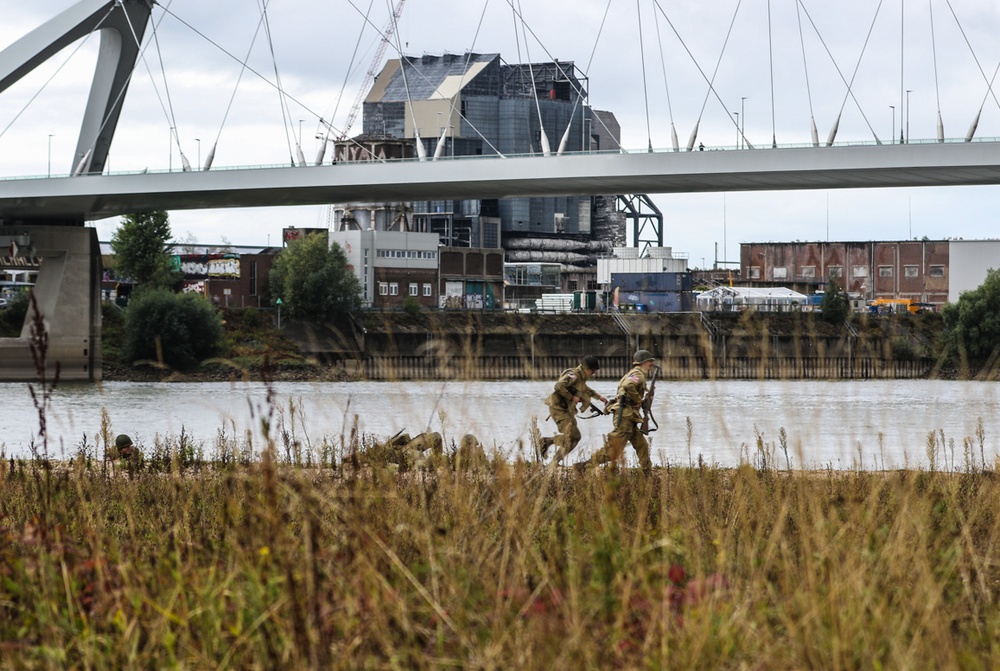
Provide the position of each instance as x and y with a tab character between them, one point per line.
333	558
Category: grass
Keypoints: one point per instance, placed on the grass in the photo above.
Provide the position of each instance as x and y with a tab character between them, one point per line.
239	561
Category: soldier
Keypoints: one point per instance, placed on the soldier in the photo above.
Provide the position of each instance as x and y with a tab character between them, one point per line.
570	390
409	452
625	409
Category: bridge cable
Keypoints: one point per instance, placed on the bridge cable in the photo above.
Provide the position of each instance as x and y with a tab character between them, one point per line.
403	61
174	134
282	100
989	80
850	91
585	145
559	68
663	67
710	82
902	61
937	90
398	51
543	137
642	60
321	155
805	66
770	60
232	98
83	162
260	76
55	73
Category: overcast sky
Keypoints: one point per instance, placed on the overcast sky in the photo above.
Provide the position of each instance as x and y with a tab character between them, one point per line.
313	42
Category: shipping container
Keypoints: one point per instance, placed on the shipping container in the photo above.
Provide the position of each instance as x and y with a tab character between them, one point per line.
651	281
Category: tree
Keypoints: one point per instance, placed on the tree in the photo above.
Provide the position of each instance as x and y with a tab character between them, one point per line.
972	325
836	305
179	330
313	280
140	245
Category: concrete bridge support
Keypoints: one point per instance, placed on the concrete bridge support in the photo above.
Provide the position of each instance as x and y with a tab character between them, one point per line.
68	295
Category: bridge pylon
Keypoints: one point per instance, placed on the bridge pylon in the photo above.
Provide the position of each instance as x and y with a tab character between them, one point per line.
68	296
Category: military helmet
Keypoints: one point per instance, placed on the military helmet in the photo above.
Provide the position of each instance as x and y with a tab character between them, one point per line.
642	356
123	441
591	362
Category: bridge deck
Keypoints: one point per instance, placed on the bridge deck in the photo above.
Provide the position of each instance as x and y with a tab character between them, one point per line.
100	196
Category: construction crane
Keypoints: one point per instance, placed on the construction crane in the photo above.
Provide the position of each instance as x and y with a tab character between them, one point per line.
387	33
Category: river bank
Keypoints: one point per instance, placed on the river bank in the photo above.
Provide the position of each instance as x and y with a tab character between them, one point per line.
470	345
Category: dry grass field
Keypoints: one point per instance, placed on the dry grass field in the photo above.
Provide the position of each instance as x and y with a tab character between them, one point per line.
230	560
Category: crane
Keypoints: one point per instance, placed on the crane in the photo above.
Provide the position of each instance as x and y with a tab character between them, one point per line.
387	34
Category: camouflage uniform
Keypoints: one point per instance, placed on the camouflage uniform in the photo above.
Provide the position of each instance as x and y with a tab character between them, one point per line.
626	411
572	383
410	452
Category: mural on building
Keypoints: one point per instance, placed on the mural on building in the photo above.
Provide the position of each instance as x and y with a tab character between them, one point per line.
200	266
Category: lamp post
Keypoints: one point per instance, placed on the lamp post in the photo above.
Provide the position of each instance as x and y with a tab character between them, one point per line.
300	130
892	138
743	102
198	140
737	115
170	162
908	92
49	173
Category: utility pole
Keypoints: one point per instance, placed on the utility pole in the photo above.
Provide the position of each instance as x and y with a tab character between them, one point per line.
737	115
198	140
743	128
892	138
908	92
49	174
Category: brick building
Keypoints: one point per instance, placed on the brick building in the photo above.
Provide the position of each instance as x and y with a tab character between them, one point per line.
914	269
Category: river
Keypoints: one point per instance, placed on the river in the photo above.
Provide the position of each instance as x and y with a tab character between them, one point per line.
827	424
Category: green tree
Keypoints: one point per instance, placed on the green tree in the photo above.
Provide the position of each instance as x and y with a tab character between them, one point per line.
836	305
179	330
140	245
313	280
972	325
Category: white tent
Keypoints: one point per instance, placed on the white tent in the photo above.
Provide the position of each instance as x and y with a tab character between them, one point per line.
734	299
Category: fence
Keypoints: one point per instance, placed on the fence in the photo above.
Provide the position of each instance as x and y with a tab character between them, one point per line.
678	368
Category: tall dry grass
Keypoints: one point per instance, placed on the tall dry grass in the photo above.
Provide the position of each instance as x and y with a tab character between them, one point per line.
364	565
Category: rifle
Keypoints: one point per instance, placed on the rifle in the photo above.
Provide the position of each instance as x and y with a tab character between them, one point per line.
587	403
647	405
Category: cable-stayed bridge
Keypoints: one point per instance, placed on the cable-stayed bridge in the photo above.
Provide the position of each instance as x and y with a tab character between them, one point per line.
851	154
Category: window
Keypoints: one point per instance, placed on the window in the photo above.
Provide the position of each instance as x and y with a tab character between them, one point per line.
860	271
911	271
383	288
936	271
780	273
754	272
836	271
427	290
571	285
253	278
393	289
414	289
808	271
885	271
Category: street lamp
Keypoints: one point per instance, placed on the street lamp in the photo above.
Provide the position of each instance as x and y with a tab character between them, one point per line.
737	115
49	174
198	140
908	92
892	138
170	161
743	102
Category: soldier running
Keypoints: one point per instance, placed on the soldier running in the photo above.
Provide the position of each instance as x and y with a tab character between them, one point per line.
625	409
570	393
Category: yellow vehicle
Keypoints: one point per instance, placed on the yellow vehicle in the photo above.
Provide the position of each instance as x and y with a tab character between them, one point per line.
885	306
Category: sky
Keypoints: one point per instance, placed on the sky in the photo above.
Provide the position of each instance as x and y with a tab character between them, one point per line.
322	50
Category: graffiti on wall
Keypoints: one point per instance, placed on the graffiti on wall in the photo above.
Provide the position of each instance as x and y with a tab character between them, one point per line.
197	266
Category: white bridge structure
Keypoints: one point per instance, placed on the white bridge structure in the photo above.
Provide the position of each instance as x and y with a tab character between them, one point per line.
45	215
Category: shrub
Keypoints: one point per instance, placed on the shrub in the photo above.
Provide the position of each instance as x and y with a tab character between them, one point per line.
411	305
835	306
178	330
